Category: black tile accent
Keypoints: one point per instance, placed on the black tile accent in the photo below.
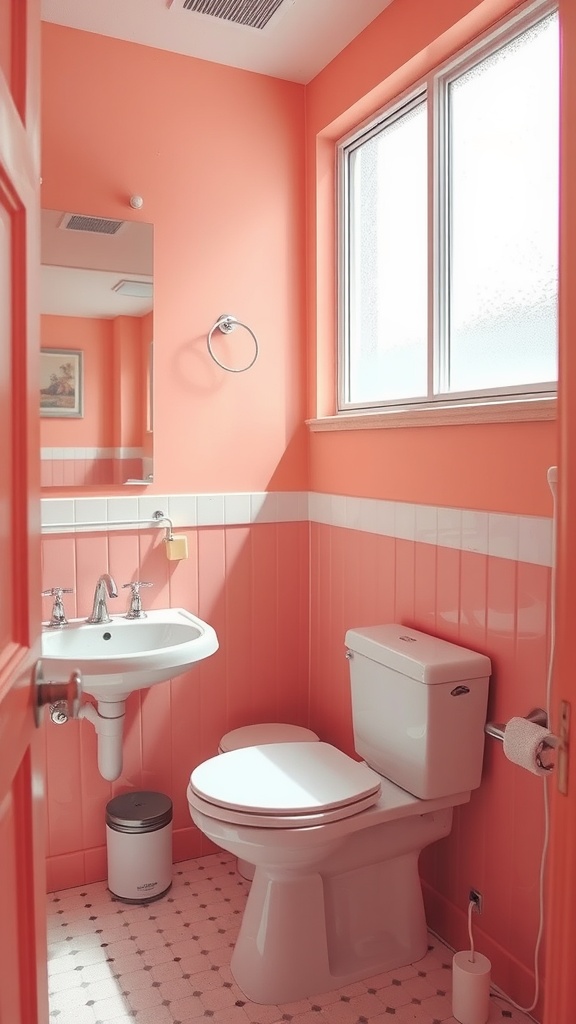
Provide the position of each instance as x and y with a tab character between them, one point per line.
396	981
239	1002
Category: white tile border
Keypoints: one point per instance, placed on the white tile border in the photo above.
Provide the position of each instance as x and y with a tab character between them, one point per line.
69	454
516	537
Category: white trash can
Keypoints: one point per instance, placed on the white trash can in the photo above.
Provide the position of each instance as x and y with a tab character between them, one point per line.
139	846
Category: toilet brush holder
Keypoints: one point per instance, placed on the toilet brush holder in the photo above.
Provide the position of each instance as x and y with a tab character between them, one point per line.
470	987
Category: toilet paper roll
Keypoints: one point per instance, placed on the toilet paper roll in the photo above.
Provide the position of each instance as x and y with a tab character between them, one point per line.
524	744
470	987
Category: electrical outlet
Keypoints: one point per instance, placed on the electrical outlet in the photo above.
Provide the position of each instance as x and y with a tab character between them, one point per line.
476	898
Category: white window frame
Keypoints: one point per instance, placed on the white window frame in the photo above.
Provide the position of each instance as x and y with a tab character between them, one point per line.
434	90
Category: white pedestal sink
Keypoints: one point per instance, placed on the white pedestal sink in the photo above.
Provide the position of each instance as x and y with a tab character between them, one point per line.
117	657
126	654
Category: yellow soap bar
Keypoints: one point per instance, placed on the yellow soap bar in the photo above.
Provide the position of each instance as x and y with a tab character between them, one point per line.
177	548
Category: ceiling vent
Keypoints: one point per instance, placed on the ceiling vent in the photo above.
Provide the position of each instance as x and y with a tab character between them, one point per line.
96	225
135	289
252	13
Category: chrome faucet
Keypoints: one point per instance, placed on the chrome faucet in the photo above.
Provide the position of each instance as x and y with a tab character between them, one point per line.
100	608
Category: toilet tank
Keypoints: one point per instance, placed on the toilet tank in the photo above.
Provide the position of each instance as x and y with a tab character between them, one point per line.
419	708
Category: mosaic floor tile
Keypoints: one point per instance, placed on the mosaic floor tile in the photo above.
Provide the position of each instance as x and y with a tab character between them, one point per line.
169	963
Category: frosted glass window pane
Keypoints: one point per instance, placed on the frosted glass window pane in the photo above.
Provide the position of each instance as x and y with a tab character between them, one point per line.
388	257
503	203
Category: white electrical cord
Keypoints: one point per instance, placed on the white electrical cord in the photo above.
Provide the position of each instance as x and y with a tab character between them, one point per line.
498	993
471	906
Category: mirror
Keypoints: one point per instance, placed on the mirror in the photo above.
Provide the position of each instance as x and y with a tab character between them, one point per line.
96	351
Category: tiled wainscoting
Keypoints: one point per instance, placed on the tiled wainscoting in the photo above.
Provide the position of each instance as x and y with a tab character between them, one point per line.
281	577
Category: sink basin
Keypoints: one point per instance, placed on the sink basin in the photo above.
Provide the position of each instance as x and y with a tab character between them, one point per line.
123	655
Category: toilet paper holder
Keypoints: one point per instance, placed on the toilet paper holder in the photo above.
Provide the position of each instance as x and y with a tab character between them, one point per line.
536	715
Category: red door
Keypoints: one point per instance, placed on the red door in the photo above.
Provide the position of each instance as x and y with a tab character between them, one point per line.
561	911
23	987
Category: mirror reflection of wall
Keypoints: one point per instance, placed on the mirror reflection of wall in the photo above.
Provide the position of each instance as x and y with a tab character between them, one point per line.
96	300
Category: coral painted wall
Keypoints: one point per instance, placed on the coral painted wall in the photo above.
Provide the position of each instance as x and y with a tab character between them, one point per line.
498	466
229	237
490	604
94	338
218	156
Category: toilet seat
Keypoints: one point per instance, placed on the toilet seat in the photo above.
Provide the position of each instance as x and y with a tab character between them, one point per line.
265	732
283	785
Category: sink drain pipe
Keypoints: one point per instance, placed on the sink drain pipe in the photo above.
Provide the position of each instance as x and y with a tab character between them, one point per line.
108	721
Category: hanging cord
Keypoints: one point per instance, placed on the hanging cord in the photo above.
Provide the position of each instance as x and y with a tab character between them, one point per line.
471	906
550	675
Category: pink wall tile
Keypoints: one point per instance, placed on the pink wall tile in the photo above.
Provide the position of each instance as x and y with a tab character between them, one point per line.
251	583
281	597
488	604
65	871
404	590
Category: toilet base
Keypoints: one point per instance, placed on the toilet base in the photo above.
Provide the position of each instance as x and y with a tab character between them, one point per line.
313	932
245	869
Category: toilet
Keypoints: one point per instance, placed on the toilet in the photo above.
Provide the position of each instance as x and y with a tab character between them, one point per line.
256	735
336	895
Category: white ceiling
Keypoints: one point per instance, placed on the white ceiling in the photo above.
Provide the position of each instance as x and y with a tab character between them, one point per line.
298	41
80	269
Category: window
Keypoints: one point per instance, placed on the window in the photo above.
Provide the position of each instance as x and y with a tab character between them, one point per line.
448	223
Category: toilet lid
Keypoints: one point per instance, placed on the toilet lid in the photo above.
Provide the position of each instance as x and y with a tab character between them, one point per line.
286	779
265	732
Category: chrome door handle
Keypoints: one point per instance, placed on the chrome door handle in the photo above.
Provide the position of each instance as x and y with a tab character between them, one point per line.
69	693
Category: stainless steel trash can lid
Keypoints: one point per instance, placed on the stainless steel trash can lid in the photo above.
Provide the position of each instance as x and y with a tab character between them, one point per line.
142	811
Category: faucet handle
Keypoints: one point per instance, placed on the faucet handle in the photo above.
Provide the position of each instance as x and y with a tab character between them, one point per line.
58	616
135	610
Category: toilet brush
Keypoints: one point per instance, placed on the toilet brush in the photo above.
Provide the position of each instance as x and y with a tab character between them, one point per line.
470	982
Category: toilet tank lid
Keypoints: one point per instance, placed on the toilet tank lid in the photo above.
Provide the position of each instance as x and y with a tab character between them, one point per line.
417	655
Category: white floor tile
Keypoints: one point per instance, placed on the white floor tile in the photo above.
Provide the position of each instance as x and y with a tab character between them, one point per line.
168	962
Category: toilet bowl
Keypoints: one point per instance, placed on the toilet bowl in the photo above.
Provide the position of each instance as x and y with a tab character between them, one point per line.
335	842
256	735
333	866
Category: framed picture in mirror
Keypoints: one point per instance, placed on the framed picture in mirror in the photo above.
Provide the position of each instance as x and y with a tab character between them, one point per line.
61	382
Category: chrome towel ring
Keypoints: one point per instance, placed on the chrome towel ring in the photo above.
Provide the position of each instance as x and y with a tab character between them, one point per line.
227	324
